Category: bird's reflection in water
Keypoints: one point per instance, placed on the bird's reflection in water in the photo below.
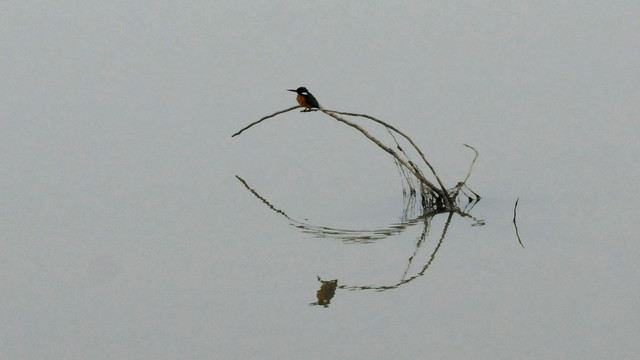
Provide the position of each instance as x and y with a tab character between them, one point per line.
326	292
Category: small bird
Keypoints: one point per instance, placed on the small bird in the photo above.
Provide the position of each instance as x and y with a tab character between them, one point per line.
305	99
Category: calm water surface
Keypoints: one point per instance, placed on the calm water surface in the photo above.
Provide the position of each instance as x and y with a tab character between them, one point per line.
126	234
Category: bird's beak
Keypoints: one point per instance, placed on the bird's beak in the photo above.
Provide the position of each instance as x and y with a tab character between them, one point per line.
292	90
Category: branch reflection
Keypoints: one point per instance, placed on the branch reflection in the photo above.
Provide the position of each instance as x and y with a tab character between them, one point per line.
328	287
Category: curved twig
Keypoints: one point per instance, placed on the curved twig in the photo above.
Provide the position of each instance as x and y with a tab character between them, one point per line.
514	222
463	183
440	196
433	171
265	118
442	193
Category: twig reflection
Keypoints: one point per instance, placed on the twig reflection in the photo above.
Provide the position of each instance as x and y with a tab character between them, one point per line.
406	279
367	236
346	235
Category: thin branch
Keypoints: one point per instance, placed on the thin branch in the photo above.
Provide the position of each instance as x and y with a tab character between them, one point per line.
417	174
514	222
441	194
463	183
433	171
265	118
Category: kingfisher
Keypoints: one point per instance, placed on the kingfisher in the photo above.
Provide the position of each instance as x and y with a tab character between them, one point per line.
305	99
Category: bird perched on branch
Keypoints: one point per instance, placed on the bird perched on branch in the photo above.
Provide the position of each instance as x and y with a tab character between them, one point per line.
305	99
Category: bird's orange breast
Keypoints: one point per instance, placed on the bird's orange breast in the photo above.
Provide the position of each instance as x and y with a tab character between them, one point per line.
302	101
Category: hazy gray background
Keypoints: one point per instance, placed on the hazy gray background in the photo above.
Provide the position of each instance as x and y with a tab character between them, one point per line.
125	234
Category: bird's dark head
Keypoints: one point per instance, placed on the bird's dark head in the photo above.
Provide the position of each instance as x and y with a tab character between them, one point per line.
301	90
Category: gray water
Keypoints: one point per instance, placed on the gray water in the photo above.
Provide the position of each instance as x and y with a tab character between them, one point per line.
126	234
